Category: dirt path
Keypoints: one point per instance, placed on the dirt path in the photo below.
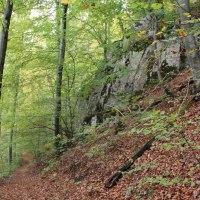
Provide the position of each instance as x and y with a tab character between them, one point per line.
21	186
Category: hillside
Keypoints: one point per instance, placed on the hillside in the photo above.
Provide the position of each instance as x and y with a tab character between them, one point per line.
99	100
169	170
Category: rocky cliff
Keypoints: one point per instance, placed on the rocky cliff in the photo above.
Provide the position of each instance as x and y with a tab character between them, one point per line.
129	72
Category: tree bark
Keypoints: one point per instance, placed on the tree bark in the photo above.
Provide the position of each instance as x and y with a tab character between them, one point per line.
4	38
12	130
192	50
59	75
11	152
14	112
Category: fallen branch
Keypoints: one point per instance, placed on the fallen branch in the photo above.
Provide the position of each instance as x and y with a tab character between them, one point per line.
116	176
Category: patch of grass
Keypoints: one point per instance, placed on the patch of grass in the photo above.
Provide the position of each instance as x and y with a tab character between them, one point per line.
160	180
143	166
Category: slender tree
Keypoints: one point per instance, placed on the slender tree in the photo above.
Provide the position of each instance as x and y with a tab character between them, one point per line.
15	104
4	37
14	112
59	76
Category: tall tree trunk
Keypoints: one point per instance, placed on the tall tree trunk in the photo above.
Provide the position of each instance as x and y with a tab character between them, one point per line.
69	108
155	26
107	39
4	42
14	112
4	38
105	48
12	133
59	75
192	50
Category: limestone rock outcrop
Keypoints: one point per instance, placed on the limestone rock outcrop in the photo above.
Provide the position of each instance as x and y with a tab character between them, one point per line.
128	73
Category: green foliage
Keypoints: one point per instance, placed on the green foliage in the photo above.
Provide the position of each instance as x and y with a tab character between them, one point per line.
156	122
163	126
142	167
161	180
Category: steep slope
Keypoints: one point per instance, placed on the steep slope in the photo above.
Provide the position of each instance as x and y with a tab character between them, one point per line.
170	170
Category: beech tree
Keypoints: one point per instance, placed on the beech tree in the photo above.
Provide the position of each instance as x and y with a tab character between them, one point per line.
4	37
59	76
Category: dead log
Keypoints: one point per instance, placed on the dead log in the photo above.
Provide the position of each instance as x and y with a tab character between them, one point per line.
116	176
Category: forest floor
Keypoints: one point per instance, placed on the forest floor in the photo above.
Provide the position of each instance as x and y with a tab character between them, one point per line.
170	170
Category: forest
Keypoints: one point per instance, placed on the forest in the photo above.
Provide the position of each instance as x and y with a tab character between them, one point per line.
99	99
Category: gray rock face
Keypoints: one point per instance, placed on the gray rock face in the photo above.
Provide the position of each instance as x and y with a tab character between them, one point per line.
131	72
